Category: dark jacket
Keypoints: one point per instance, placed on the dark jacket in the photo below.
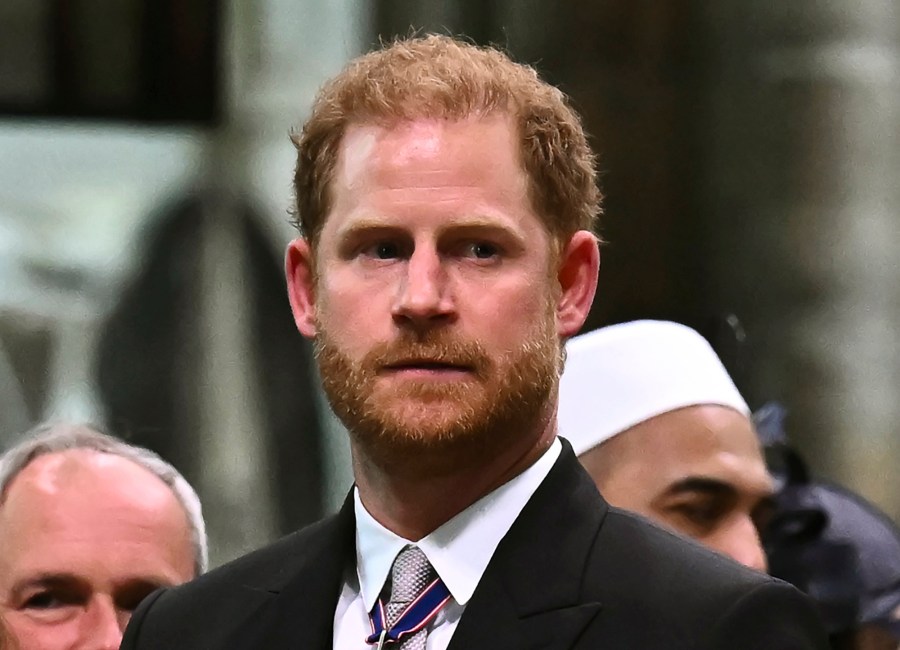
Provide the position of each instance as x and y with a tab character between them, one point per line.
572	572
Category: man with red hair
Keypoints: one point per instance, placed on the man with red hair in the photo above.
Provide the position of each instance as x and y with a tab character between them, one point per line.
446	199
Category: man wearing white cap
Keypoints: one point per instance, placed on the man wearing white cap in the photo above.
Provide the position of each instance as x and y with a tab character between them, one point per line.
663	431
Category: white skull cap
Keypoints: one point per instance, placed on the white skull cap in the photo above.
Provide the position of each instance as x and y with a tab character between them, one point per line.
618	376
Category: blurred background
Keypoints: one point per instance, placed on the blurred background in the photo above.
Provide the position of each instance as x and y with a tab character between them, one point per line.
750	155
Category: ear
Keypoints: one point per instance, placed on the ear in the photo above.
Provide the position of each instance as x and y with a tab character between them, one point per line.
579	266
299	267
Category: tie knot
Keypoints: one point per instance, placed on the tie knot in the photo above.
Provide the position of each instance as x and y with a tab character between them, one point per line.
410	574
411	608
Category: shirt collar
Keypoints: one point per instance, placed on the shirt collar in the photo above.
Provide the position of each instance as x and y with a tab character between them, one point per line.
461	548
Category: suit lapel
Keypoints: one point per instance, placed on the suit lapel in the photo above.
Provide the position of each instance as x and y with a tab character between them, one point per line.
529	596
301	615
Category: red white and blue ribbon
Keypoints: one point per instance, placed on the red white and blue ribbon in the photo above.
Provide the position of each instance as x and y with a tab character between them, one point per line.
413	618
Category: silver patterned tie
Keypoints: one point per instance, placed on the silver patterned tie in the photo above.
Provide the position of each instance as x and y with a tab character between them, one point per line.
411	573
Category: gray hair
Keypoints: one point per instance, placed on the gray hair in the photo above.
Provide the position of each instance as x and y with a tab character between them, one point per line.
51	438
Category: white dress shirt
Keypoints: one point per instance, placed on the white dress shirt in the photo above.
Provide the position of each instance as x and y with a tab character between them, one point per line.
459	551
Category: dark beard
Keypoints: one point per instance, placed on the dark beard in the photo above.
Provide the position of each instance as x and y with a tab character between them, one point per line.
404	429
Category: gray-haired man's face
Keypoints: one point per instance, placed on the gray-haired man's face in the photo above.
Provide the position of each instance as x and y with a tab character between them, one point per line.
84	536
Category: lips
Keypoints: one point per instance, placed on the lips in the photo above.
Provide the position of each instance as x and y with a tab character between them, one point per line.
426	364
424	358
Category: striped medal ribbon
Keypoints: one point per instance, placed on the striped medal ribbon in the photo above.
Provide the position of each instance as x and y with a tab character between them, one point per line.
412	619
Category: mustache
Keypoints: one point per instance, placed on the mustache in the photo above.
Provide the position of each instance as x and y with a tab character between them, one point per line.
435	349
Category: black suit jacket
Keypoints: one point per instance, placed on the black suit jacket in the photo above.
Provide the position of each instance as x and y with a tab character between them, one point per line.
571	573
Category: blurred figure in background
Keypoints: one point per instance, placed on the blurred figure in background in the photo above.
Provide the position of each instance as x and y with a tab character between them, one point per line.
89	526
663	431
834	545
13	410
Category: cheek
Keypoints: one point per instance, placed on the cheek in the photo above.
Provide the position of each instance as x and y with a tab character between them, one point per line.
339	310
35	635
353	326
517	309
344	293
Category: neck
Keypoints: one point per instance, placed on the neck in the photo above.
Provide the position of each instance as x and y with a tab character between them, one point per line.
414	503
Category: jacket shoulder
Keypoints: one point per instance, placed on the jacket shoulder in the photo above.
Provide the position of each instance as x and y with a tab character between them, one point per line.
236	595
643	573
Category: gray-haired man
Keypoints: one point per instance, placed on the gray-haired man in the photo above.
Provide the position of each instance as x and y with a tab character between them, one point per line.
89	525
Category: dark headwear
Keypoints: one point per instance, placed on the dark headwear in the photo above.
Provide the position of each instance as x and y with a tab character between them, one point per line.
833	544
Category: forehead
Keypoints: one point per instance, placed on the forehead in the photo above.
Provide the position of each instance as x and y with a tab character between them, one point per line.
87	512
478	151
706	441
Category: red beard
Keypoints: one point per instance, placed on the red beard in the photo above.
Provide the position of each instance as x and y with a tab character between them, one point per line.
442	423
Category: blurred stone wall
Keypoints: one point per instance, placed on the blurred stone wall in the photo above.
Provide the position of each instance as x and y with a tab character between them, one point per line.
801	148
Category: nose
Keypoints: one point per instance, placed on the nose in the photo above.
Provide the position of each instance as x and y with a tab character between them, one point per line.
423	297
102	626
741	541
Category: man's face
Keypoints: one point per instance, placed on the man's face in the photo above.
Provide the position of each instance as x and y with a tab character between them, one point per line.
698	470
84	537
435	306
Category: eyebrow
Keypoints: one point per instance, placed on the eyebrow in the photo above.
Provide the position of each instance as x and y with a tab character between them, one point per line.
51	580
44	580
475	223
366	225
710	486
714	488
